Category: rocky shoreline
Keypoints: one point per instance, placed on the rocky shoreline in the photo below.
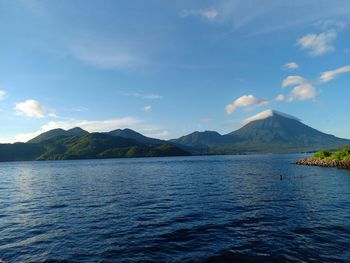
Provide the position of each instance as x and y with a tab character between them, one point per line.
324	163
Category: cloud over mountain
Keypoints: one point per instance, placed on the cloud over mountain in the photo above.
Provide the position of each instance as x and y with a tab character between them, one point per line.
246	101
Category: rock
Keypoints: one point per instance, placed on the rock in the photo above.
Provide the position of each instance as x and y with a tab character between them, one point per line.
324	163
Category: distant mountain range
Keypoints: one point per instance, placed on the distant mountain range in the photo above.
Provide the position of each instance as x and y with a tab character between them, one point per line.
267	132
76	143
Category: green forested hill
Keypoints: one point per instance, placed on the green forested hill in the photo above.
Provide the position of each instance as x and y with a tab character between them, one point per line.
57	132
131	134
88	146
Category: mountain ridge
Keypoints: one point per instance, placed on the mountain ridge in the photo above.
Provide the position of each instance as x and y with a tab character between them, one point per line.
266	132
270	131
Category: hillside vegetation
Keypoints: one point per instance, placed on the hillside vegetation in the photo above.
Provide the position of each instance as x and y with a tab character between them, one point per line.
87	146
339	159
340	155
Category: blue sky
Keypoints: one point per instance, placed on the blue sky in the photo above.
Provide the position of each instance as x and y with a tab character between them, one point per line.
167	68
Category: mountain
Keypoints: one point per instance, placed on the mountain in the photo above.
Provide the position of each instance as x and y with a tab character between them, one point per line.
99	145
131	134
87	146
267	132
56	133
200	142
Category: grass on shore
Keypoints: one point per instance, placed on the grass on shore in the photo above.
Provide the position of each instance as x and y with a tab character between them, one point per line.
341	155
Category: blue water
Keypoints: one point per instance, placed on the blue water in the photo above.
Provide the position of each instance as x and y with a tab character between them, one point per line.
180	209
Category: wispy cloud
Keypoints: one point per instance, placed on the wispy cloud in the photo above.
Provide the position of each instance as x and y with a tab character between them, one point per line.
292	80
246	101
3	94
330	24
105	58
152	96
35	7
80	109
147	108
144	96
209	14
206	120
330	75
318	44
291	66
33	109
243	14
107	53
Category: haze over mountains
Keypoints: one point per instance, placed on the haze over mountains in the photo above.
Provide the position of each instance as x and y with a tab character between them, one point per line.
267	132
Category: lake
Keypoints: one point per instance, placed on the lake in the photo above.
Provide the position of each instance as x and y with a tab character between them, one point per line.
178	209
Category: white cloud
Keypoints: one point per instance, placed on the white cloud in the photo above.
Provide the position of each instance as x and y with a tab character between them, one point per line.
330	24
292	80
106	56
266	114
303	89
147	108
318	45
152	97
246	101
33	109
210	14
329	75
291	66
281	97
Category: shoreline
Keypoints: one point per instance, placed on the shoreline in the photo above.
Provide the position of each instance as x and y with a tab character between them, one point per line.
312	161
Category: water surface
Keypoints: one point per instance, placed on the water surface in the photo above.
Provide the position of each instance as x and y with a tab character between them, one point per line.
179	209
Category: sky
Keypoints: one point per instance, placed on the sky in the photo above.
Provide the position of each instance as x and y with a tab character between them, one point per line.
168	68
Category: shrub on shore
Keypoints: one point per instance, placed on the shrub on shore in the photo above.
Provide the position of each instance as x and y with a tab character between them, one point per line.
322	154
341	155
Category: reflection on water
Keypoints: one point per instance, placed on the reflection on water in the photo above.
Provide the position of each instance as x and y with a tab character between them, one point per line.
202	209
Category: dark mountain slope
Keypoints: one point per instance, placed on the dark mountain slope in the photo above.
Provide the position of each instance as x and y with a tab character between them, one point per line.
20	152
